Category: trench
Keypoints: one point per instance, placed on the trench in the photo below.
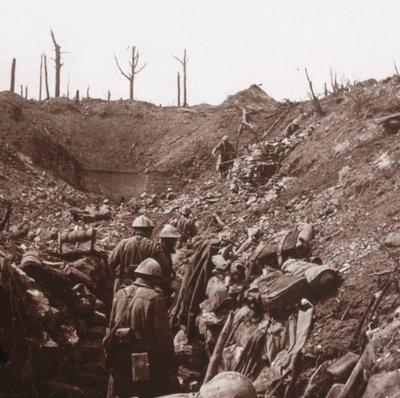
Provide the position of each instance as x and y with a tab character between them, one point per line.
124	184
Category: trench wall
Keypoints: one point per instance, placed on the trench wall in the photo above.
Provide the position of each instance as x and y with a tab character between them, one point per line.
117	183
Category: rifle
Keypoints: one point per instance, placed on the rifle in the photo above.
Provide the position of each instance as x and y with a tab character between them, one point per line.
6	219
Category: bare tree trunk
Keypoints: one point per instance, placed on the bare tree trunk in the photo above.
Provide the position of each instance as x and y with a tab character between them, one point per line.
131	76
184	62
57	49
334	82
77	97
179	89
395	68
41	77
26	92
184	81
46	77
88	92
108	95
131	83
12	84
21	90
68	87
314	98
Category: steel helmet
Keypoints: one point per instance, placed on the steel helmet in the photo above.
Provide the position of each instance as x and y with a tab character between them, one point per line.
170	231
142	222
149	268
185	210
225	138
228	385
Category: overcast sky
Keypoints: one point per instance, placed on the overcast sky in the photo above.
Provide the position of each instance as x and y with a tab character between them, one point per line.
231	44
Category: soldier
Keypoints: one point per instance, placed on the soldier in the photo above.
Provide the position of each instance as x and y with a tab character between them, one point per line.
132	251
226	154
185	225
142	357
169	235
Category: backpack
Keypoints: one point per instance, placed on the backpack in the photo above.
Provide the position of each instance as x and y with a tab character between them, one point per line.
289	244
110	340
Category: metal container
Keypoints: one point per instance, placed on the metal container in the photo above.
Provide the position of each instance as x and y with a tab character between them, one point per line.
30	257
80	235
140	366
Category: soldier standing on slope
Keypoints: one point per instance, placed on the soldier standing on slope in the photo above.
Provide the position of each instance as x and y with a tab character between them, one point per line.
226	154
185	225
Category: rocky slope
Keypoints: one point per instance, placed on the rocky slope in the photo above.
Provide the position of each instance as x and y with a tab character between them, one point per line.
337	171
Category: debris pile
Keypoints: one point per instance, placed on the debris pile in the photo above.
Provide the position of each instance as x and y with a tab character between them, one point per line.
274	285
53	321
241	308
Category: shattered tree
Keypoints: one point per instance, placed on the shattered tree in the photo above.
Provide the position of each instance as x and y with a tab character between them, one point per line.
313	97
12	83
183	62
41	77
178	81
133	70
58	64
46	77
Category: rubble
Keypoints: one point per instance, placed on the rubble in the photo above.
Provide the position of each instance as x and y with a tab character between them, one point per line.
308	242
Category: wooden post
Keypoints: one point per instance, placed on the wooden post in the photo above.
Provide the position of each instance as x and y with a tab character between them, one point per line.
57	49
108	95
21	88
46	77
26	92
41	77
88	92
179	90
12	84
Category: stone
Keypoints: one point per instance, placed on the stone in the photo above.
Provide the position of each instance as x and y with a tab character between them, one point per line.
383	385
393	240
341	368
251	199
335	391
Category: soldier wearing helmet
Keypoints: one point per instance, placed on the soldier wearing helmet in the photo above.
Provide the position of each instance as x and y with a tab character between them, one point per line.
185	225
130	252
140	316
225	153
169	235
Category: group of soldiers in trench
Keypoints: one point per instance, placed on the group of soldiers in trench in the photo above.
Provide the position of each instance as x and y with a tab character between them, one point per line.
139	344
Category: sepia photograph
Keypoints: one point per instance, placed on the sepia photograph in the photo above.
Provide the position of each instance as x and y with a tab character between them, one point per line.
199	199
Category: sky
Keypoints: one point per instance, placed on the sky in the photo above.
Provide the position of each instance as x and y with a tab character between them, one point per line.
231	44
